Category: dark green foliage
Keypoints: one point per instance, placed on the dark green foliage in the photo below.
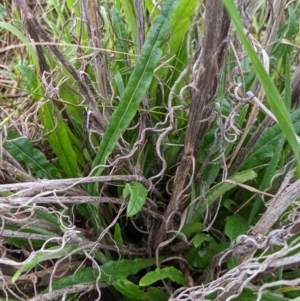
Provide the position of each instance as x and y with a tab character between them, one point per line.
87	231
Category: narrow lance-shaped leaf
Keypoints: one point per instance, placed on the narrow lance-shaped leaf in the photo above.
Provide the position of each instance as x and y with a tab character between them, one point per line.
138	83
121	35
268	142
217	191
51	253
180	24
23	151
59	141
128	289
160	274
176	46
23	38
130	17
110	271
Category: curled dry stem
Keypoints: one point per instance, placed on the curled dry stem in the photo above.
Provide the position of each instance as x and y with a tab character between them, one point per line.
205	89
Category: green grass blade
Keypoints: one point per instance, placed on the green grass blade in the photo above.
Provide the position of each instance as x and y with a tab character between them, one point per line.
217	191
271	92
51	253
47	217
276	151
138	83
268	142
58	7
176	49
121	35
287	91
180	24
23	39
121	66
130	18
59	141
73	99
59	138
269	173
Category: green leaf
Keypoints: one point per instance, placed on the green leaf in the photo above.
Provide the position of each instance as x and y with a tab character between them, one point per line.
191	228
73	99
2	11
176	48
270	171
23	151
121	36
97	220
273	97
201	257
292	23
235	226
119	82
81	276
152	8
121	43
114	270
23	39
29	80
118	235
128	289
110	271
59	141
160	274
138	194
249	295
51	253
268	142
136	88
180	24
217	191
63	149
58	8
287	91
155	294
75	142
130	18
48	217
199	238
70	4
124	268
40	231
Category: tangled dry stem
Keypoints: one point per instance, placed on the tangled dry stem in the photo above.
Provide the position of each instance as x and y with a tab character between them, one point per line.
30	195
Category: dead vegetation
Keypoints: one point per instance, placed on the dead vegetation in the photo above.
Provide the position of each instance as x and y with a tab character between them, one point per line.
139	158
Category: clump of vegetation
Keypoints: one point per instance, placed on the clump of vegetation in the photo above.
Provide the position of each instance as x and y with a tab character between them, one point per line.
149	150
